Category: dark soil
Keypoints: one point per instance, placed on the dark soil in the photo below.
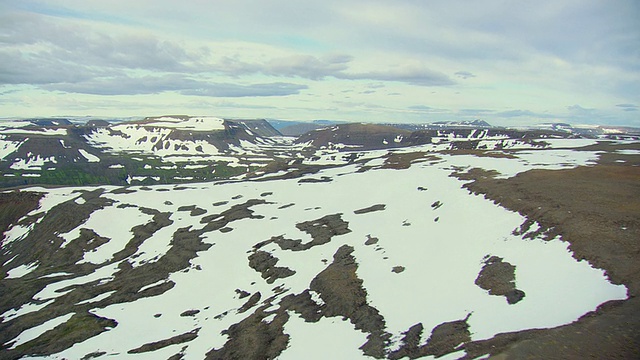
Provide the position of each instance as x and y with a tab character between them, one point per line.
596	210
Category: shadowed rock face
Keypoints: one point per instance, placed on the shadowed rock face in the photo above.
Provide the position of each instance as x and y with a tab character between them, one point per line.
498	277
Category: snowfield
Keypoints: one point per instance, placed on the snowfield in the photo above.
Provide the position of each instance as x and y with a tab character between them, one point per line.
192	123
431	240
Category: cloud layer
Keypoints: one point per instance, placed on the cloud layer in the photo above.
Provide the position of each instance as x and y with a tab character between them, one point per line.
390	61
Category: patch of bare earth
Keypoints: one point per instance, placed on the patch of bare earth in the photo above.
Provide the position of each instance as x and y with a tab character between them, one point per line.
595	209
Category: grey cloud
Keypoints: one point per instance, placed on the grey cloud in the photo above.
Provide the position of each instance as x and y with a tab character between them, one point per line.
411	75
475	111
337	66
521	113
123	85
307	66
464	74
420	107
234	90
126	85
83	46
303	66
628	107
515	113
234	105
40	68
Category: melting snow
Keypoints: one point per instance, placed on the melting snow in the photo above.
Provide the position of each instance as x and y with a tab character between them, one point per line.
88	156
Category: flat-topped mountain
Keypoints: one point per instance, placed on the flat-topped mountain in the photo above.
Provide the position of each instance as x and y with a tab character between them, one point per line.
119	153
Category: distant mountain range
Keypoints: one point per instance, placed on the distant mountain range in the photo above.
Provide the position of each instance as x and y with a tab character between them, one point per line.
181	148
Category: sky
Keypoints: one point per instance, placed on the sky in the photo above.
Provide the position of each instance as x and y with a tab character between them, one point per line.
401	61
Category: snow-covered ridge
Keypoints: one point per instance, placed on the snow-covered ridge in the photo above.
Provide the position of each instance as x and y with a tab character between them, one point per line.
189	123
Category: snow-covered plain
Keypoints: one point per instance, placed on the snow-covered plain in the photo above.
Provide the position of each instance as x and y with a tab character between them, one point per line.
441	249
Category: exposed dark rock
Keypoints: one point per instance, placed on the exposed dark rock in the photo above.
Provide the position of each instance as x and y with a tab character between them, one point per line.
242	294
498	277
436	205
514	296
194	210
323	179
178	339
93	355
372	208
445	338
253	338
80	327
321	231
303	305
13	206
343	294
144	232
405	160
236	212
371	240
253	300
265	264
189	313
410	344
398	269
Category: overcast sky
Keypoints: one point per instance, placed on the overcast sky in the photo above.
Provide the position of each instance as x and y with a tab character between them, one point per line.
507	62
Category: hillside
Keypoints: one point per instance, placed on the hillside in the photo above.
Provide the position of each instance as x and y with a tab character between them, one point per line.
155	150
